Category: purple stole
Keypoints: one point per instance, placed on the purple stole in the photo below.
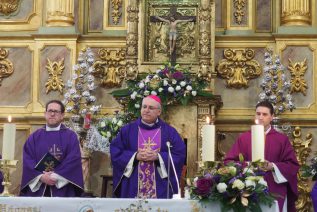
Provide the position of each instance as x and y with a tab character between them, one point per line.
148	139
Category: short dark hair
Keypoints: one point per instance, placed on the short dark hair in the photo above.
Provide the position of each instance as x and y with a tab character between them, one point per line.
266	104
57	102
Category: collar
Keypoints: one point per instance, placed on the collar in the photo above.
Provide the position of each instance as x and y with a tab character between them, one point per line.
268	130
150	125
53	128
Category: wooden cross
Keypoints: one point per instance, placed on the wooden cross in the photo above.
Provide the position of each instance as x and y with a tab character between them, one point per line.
173	13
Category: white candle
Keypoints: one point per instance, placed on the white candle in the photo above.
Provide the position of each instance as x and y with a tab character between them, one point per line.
258	142
8	145
208	142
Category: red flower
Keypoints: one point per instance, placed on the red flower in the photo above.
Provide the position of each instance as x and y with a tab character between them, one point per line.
203	186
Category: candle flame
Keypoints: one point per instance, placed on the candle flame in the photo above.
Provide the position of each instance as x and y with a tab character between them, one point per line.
256	121
9	118
207	120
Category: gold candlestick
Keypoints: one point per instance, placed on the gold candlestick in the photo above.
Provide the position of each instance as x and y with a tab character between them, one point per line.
5	166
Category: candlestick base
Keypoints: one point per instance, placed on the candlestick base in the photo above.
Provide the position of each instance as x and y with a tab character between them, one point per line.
5	166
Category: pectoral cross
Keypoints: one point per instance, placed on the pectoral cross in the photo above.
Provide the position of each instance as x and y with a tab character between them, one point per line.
148	144
178	18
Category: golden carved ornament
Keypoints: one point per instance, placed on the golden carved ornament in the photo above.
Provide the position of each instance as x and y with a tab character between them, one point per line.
9	6
298	70
133	14
204	71
302	149
116	13
132	44
131	70
6	66
55	70
238	67
111	68
239	13
296	12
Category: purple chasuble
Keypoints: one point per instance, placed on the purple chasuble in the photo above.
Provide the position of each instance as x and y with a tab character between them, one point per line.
314	196
278	150
1	179
64	145
148	139
124	147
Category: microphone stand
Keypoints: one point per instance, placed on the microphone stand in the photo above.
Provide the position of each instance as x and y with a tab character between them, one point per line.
178	195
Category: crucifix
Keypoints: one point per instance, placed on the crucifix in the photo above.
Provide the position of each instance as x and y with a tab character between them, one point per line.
172	20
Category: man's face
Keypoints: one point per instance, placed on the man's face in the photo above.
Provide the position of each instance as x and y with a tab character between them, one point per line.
264	116
150	110
53	115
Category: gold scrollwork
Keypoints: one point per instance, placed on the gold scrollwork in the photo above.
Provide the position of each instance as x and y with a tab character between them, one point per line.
239	13
55	70
132	42
133	14
6	66
238	67
9	6
298	70
302	150
111	68
116	13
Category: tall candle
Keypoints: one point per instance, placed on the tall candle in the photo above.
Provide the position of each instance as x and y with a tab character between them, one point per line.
8	145
258	142
208	142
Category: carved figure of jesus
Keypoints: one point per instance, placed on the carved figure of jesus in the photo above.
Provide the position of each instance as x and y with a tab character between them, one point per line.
173	30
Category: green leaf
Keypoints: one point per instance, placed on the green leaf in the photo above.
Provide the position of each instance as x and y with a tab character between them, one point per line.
121	92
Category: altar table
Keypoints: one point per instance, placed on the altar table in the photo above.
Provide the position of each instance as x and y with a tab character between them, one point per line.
47	204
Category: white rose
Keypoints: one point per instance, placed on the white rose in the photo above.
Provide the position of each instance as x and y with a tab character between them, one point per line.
262	182
238	184
222	187
178	88
174	81
249	183
146	93
102	124
120	123
247	170
165	83
108	134
189	88
153	93
147	79
170	89
132	96
160	90
137	106
182	83
141	85
194	93
114	120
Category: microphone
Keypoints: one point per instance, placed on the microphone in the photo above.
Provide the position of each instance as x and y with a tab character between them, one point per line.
178	195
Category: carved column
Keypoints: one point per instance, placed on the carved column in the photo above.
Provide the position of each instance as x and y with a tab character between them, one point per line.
206	44
132	39
296	12
60	12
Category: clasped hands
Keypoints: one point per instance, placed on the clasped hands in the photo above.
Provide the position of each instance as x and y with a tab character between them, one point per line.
266	166
147	155
48	179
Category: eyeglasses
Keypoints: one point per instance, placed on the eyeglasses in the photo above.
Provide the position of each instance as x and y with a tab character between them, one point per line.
150	107
53	111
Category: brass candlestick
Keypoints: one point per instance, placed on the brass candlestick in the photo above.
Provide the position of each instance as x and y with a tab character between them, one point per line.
5	166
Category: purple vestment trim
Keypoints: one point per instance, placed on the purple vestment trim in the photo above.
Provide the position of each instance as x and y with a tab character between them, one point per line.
148	139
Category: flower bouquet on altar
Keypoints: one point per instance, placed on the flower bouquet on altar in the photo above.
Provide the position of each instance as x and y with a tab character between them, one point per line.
235	186
307	171
171	83
107	128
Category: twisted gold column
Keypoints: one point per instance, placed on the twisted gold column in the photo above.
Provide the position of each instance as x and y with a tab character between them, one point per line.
296	12
60	12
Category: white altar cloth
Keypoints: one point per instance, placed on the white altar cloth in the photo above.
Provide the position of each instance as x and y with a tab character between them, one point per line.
47	204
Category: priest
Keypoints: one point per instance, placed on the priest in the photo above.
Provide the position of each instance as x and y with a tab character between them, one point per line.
139	156
281	165
62	178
